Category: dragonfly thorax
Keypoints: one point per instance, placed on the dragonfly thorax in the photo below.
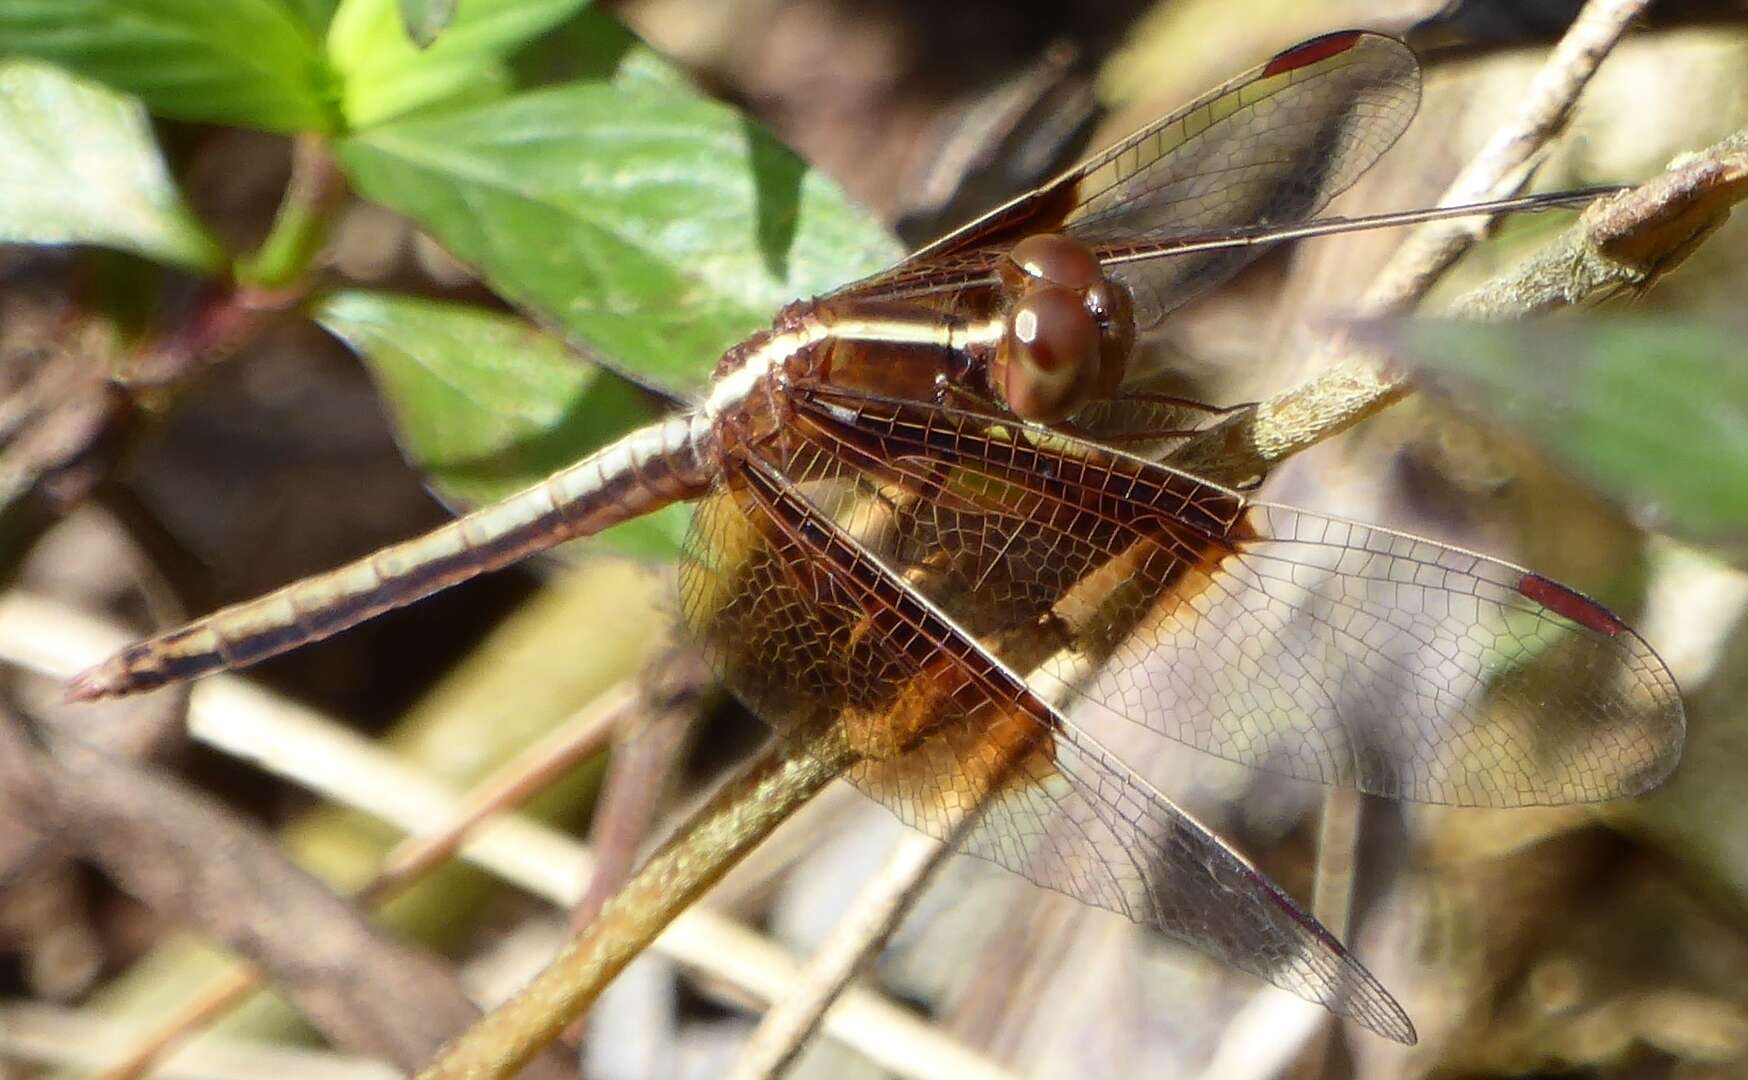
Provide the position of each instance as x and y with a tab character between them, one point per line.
1069	330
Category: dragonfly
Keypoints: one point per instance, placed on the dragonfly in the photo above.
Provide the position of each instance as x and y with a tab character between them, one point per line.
932	517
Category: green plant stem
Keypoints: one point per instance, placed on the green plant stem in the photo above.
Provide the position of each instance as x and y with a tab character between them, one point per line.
725	829
300	226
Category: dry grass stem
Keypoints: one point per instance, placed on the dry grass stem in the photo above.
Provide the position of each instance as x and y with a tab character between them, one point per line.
859	935
148	1052
305	747
646	756
519	780
741	814
199	864
65	1038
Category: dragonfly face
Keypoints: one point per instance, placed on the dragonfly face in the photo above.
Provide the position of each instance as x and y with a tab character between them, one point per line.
1070	330
927	525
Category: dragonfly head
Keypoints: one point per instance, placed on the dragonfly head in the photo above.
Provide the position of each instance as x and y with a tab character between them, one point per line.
1069	330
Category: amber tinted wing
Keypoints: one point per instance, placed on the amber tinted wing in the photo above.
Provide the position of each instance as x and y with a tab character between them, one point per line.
1081	823
1273	145
1274	637
811	629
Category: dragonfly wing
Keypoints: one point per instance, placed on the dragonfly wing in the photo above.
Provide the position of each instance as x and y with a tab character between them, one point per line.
810	627
1147	425
1273	637
1080	822
1271	146
1372	659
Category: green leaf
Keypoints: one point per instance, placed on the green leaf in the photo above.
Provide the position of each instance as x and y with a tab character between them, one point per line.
316	14
425	19
657	226
595	47
385	74
1651	412
81	167
247	62
486	405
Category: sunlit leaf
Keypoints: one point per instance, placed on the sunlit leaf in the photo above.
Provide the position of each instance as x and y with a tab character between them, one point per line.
1650	412
81	167
247	62
486	405
656	225
385	73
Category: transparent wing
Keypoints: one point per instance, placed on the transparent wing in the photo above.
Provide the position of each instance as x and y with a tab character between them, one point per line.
1274	637
1079	822
810	628
1271	146
1372	659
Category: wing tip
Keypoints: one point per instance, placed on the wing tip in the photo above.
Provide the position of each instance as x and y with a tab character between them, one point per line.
1380	1013
1311	51
1361	996
1570	604
1662	758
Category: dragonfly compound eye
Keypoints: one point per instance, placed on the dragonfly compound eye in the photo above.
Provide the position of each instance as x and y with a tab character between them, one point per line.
1047	365
1056	259
1109	303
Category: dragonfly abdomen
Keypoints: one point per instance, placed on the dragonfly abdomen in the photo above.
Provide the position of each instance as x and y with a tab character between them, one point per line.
641	472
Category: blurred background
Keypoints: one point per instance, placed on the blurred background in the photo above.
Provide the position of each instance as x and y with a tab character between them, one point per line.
1599	941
